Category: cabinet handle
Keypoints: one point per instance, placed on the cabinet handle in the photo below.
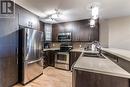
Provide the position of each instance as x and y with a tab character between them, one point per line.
75	55
115	60
17	55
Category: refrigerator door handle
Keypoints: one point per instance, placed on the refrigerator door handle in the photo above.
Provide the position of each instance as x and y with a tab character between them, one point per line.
25	48
26	43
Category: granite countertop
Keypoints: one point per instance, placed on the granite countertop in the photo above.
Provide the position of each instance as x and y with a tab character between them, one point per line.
82	50
73	50
100	65
124	54
51	49
77	50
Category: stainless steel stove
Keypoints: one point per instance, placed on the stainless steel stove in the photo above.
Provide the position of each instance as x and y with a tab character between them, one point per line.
62	56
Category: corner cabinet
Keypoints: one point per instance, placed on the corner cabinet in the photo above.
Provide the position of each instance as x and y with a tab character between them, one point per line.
90	79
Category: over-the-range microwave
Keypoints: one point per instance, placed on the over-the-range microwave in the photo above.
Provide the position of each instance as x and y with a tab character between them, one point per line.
65	37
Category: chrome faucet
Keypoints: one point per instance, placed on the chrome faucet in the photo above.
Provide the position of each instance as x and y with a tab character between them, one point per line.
93	46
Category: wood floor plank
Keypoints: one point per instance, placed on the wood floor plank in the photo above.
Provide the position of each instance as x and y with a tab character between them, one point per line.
51	78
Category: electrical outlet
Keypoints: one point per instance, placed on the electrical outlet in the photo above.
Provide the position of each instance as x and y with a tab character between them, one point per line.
80	45
53	45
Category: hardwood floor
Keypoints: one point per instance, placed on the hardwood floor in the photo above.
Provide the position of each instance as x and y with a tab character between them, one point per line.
51	78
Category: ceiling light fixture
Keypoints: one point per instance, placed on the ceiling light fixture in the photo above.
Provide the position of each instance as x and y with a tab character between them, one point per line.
52	16
55	15
92	23
95	12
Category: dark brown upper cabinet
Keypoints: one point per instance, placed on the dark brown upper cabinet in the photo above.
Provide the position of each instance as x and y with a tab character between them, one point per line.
56	29
80	30
28	19
55	32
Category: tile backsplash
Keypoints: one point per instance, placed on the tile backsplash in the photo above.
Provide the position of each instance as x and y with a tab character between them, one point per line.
79	44
76	45
55	45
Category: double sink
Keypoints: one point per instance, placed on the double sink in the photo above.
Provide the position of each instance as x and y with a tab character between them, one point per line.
93	55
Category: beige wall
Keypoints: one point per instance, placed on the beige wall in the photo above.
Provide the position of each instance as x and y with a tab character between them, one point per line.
116	33
104	31
119	33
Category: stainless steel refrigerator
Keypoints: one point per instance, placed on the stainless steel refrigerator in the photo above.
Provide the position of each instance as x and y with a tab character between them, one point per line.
30	58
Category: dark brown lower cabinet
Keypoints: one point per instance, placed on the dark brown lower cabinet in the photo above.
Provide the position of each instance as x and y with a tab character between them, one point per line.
90	79
8	71
73	58
50	58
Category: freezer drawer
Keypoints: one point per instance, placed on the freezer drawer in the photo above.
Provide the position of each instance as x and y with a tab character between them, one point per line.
32	70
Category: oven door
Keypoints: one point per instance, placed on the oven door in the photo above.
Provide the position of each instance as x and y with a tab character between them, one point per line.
62	57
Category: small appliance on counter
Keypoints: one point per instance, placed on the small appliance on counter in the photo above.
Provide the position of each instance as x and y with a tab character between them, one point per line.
62	56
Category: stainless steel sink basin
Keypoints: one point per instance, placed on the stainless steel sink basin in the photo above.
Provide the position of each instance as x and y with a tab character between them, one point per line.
93	55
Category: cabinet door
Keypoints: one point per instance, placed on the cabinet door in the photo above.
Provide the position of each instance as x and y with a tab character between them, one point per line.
95	33
77	55
76	32
50	58
56	29
42	26
8	45
90	79
83	79
28	19
73	57
68	27
85	31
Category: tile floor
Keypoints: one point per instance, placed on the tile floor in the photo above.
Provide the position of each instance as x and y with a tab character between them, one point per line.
51	78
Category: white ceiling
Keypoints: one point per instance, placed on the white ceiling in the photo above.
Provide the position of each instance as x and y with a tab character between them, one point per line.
76	9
